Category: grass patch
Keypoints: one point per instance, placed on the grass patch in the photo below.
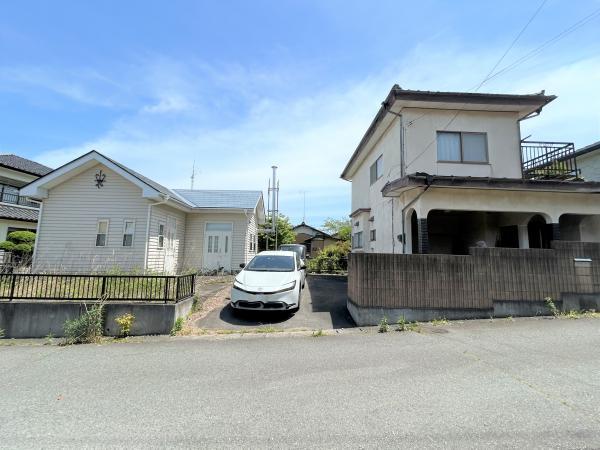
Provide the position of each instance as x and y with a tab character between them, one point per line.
177	326
439	322
318	333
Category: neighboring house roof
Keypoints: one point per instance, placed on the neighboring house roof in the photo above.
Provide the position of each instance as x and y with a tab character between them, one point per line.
23	165
524	105
221	199
588	149
316	230
18	213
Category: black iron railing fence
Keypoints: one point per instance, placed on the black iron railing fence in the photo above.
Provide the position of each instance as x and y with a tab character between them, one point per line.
152	288
549	160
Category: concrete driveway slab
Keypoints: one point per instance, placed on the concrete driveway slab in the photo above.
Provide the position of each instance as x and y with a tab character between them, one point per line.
323	306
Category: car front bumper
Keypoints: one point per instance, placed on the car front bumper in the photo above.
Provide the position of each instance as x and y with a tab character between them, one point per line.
281	301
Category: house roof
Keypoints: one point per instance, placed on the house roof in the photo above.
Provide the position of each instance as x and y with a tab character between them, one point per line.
588	149
399	98
18	213
15	162
317	231
221	199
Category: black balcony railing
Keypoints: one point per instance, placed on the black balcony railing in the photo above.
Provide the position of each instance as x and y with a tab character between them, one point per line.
16	199
549	160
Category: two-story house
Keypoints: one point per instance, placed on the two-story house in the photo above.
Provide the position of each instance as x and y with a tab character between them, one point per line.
439	172
16	212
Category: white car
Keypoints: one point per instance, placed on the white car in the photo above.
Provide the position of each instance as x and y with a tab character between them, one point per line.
272	280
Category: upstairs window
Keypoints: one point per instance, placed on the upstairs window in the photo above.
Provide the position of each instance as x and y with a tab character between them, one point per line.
373	235
128	229
376	169
462	147
101	233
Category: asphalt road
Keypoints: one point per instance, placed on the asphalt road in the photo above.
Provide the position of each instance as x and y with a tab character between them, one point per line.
323	306
530	383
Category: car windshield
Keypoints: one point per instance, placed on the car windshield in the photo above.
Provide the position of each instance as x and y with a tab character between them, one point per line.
271	263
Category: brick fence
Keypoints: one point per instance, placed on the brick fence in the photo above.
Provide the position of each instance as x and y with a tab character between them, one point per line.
473	282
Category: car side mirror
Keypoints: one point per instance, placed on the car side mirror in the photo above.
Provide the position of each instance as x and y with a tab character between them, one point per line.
242	265
303	267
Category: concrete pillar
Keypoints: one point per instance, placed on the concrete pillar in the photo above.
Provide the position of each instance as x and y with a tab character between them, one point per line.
523	236
555	231
423	236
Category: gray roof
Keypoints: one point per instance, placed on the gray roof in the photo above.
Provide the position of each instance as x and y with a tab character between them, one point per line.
18	213
221	199
24	165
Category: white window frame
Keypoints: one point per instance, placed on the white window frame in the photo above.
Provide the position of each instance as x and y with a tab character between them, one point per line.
462	159
98	222
125	222
160	235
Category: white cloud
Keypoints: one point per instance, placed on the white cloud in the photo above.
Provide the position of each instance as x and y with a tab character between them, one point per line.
235	129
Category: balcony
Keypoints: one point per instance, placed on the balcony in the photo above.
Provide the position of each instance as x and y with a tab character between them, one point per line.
15	199
549	161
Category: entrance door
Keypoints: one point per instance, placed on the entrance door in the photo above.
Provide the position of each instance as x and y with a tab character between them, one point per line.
170	233
217	246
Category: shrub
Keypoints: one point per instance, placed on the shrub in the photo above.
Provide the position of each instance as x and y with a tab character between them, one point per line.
21	237
7	246
330	258
87	328
125	323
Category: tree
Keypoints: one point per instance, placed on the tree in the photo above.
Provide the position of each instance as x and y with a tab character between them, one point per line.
285	234
341	228
20	243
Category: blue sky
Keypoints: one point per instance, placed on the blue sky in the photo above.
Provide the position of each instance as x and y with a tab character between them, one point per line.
239	86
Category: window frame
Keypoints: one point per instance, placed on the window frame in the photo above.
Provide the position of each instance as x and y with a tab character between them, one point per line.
372	235
462	160
355	236
160	237
98	222
374	166
125	222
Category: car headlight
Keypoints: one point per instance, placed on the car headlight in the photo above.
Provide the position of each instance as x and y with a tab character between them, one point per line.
288	287
239	286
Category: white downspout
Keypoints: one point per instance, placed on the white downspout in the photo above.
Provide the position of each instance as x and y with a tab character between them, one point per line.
37	235
166	198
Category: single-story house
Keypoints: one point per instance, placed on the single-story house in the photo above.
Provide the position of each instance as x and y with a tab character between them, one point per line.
98	215
314	239
16	212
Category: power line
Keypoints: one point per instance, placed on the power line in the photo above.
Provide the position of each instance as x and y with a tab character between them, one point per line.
486	78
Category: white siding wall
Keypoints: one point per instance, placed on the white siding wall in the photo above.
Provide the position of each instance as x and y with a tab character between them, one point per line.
251	236
156	256
194	237
67	236
590	166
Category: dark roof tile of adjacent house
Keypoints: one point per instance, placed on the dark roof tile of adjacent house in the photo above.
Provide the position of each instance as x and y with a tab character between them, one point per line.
23	165
18	213
221	198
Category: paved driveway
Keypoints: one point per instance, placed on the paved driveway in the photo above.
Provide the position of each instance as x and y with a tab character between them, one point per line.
481	384
323	306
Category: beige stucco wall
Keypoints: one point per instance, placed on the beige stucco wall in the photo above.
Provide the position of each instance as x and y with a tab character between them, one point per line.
502	129
66	238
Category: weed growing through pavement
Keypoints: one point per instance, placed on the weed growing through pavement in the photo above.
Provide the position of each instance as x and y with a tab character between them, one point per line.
552	307
125	323
178	326
318	333
439	322
383	325
404	325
